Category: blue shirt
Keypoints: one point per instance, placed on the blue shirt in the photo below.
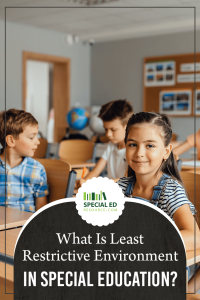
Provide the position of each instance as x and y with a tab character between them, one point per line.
23	183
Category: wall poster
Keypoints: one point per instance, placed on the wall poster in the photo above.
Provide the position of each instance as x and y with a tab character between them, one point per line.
177	102
160	73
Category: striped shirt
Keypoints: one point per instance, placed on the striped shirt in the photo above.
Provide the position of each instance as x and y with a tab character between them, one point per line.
24	183
171	197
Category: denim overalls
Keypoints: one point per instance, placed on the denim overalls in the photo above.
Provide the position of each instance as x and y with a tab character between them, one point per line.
156	190
156	194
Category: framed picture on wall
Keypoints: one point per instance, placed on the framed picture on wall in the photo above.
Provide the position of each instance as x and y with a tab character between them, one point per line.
176	102
159	73
197	102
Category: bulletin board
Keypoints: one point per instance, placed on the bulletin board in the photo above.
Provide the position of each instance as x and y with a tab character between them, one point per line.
168	85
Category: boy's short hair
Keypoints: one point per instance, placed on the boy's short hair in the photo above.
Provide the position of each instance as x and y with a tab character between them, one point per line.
117	109
14	122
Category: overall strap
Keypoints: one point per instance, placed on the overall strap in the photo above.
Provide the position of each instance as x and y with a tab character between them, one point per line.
129	188
159	187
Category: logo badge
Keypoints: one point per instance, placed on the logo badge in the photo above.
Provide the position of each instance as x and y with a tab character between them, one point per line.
100	201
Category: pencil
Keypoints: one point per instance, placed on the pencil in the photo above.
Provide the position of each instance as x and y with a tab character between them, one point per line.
84	171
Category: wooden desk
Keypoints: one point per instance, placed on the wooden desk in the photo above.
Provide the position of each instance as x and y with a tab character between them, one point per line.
14	217
190	257
82	165
11	238
9	282
78	167
193	297
192	171
9	273
186	168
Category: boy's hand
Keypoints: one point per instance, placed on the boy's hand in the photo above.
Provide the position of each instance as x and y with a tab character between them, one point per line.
79	183
76	184
40	202
94	173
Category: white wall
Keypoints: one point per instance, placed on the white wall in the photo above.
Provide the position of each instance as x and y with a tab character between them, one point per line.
2	66
26	38
116	67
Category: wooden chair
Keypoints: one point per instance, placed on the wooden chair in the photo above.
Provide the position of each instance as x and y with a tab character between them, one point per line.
174	136
41	149
102	138
188	180
76	151
60	178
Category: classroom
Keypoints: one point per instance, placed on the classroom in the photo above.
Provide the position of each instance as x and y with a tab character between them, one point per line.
84	55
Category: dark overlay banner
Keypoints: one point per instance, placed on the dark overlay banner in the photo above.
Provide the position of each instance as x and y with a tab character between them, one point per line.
60	256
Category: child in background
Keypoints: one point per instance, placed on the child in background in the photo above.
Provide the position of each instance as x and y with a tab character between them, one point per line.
151	164
192	141
26	181
115	116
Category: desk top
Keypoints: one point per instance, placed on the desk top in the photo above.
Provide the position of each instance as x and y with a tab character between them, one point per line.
11	238
9	276
82	165
192	296
190	257
14	217
188	164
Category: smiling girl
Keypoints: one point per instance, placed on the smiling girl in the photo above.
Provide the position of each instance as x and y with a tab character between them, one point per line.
153	175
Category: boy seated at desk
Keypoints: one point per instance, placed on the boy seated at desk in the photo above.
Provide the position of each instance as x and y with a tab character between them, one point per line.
26	182
115	115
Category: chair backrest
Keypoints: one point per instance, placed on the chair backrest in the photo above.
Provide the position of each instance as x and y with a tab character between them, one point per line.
76	151
174	136
101	139
189	178
41	149
57	177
